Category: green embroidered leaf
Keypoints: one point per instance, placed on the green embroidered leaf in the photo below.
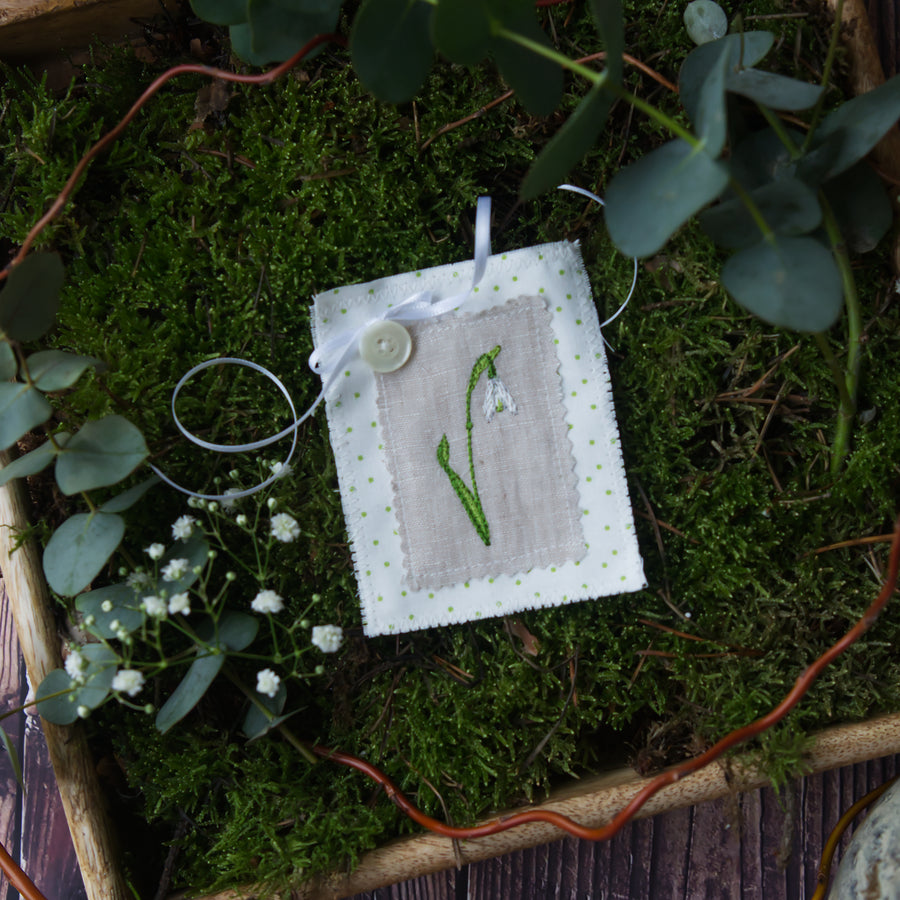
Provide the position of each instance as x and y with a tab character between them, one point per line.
103	452
128	498
221	12
78	550
855	127
190	690
53	370
772	90
789	207
9	365
570	143
537	81
30	299
745	49
647	202
256	722
391	47
462	30
860	202
792	282
124	609
33	462
13	758
21	409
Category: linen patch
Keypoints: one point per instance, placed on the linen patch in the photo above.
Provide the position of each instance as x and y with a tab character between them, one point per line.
522	463
545	484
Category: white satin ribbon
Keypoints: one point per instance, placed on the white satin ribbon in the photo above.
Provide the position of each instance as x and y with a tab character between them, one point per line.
592	196
330	359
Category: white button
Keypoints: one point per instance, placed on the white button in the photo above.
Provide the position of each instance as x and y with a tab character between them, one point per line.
385	346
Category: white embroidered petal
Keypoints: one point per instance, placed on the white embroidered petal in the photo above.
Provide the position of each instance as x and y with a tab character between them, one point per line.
497	398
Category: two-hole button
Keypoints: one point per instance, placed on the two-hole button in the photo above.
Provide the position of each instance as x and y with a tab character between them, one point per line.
385	346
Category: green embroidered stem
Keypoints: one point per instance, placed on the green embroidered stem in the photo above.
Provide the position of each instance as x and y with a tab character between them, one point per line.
469	498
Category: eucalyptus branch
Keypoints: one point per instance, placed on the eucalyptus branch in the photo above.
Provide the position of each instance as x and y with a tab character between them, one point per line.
826	74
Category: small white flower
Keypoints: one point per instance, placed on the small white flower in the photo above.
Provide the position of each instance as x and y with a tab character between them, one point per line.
128	681
155	551
271	503
279	469
180	603
154	606
227	501
107	606
83	712
174	569
285	528
267	602
183	528
497	398
76	666
267	682
241	520
327	638
137	580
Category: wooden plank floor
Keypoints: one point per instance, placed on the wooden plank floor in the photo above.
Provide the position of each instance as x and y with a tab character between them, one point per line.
754	846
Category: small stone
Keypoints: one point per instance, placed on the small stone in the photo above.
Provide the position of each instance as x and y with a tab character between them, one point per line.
705	21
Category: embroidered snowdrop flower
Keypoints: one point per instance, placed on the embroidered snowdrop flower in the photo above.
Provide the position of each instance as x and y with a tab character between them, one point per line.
128	681
183	527
76	666
154	606
327	638
155	551
497	398
174	569
267	602
279	469
267	682
285	528
180	603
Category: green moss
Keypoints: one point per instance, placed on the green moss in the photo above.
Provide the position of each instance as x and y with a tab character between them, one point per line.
185	244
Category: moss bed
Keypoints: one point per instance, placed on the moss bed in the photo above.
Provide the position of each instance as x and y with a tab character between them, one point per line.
200	238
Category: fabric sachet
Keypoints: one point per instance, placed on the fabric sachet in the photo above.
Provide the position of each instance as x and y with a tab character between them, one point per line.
484	475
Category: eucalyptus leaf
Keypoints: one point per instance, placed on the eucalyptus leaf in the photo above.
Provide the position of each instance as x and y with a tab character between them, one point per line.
14	757
29	302
241	37
855	127
78	550
221	12
9	365
860	203
280	28
570	143
21	408
128	498
610	21
33	462
711	120
101	670
538	82
234	630
761	157
190	690
462	30
773	90
61	710
125	610
391	47
789	207
103	452
743	50
54	370
792	282
649	200
256	722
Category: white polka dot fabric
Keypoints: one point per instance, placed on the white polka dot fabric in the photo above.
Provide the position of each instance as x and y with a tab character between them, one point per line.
583	545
